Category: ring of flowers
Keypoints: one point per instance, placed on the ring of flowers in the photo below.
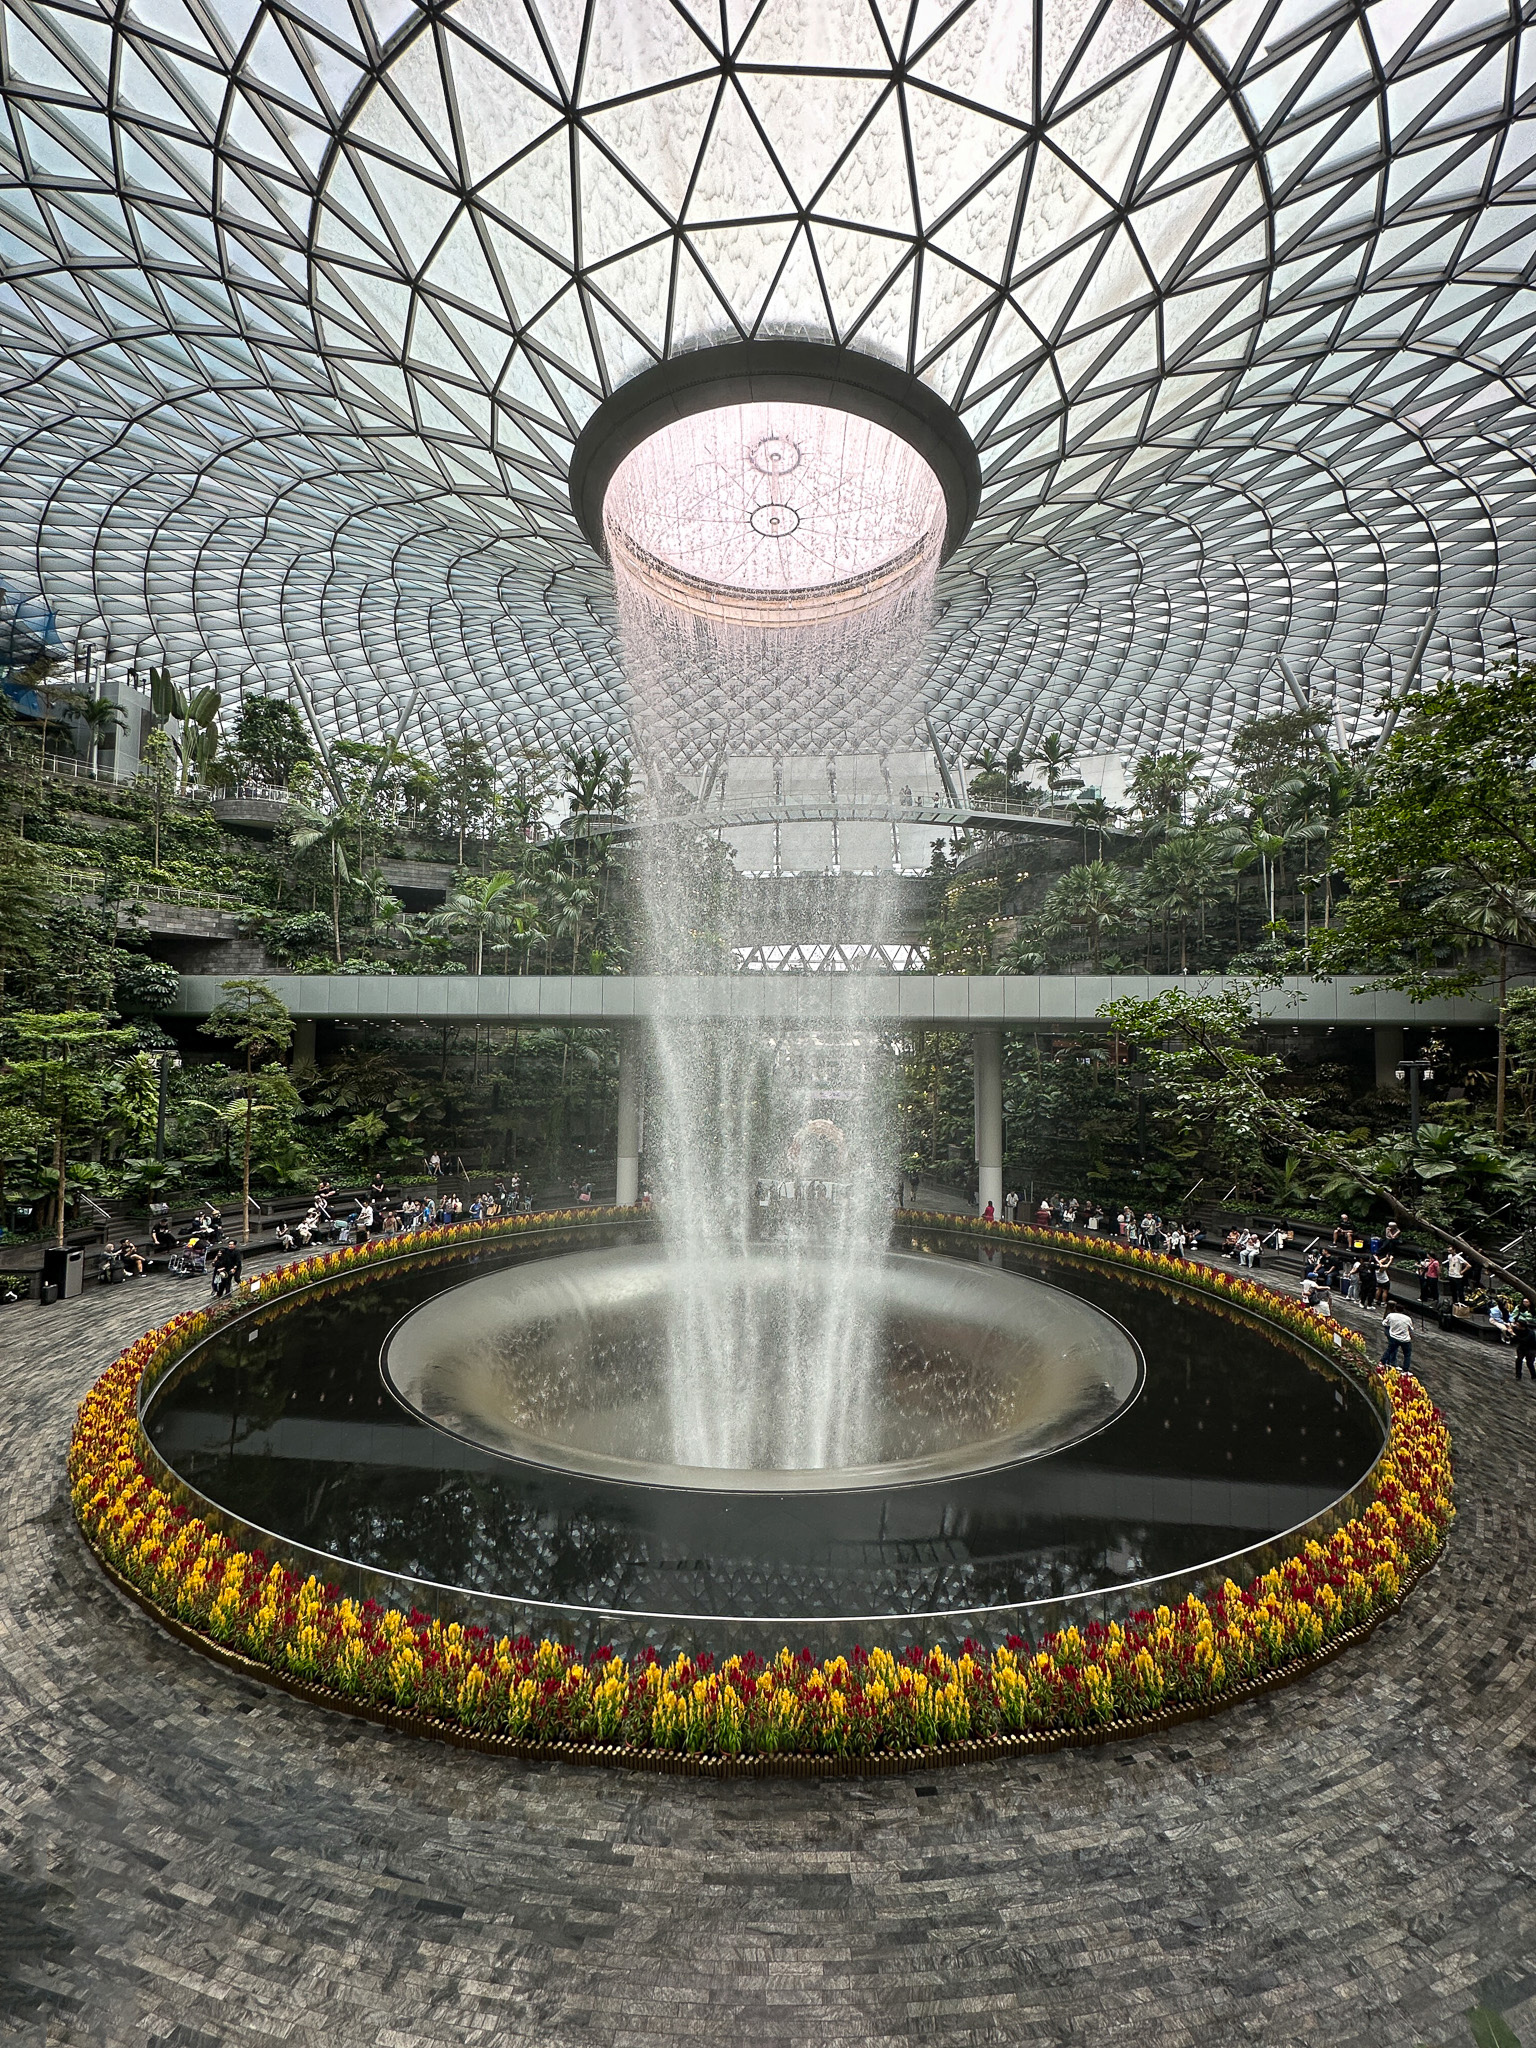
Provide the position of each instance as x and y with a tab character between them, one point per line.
867	1711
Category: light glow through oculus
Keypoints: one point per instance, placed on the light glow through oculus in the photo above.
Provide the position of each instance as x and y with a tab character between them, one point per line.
775	512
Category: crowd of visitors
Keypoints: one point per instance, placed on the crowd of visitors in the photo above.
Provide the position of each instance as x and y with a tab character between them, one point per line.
377	1213
1353	1265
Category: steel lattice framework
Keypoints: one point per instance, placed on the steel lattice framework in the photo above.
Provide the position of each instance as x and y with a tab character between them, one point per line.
303	308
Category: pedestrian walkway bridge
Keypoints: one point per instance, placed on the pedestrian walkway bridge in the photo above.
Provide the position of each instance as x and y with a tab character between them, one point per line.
953	1002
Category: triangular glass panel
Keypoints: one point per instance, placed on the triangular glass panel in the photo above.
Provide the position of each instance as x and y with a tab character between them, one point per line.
528	279
948	299
460	271
659	138
418	211
504	28
535	194
978	235
697	314
640	284
499	116
808	121
887	330
736	175
797	305
985	53
953	148
635	45
743	262
624	356
1060	207
871	187
833	35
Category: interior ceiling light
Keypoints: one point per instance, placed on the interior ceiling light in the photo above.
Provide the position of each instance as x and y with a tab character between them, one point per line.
306	311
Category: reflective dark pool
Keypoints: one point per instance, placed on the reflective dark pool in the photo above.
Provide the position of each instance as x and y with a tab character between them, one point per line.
284	1420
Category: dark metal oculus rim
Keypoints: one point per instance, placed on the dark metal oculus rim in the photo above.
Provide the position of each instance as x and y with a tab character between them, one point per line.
802	372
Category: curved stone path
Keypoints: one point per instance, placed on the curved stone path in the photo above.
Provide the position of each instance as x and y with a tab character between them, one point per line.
189	1858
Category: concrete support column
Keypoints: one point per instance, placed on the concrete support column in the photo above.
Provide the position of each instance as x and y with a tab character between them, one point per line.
987	1060
631	1063
1388	1039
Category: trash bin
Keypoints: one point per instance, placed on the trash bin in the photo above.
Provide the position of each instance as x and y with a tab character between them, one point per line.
64	1271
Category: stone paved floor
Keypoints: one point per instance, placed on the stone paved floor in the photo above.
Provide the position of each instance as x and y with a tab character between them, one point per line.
188	1858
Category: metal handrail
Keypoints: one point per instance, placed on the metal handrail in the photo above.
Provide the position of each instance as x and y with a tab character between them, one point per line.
173	894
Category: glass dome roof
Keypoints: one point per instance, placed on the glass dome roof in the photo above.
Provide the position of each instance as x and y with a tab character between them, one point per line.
304	306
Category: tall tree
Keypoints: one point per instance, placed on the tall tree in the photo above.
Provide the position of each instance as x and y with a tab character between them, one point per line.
61	1063
258	1025
1222	1087
1439	859
270	740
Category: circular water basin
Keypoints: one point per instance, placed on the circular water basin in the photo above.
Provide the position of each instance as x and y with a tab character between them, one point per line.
575	1363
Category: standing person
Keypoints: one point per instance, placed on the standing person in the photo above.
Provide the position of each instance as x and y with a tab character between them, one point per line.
1457	1266
1525	1340
226	1268
1429	1280
1043	1214
1351	1281
1011	1204
1382	1273
1397	1330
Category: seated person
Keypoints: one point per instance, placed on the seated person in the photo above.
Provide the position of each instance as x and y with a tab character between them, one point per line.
132	1259
287	1236
161	1235
1502	1320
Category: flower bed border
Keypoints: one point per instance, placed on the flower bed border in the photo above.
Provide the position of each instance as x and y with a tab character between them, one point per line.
691	1764
1101	1687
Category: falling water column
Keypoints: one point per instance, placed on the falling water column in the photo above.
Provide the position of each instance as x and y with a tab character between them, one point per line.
987	1062
627	1190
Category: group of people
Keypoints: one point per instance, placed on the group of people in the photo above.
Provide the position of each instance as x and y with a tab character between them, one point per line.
375	1213
1066	1212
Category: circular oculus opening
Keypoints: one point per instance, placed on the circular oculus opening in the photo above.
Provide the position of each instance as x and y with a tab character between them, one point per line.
775	509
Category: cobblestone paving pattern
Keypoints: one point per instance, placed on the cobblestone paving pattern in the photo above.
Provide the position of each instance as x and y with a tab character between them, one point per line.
189	1858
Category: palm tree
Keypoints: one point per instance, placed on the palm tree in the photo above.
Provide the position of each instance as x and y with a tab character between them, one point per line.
1094	815
1175	882
1253	841
102	719
1092	900
480	906
574	899
329	831
1055	754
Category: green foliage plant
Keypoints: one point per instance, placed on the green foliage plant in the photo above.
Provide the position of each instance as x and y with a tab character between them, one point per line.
258	1025
1200	1050
59	1068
